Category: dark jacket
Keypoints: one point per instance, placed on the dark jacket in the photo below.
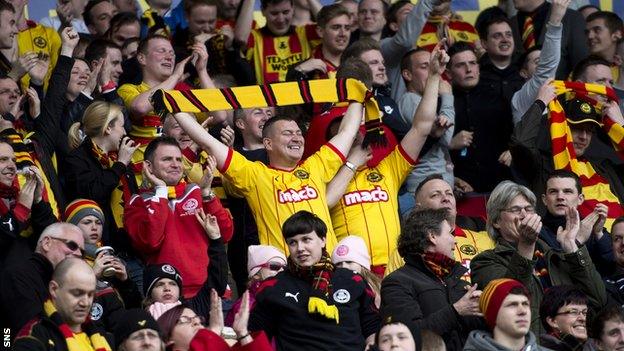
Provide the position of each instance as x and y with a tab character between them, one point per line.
573	44
566	342
86	178
414	293
615	286
281	310
575	268
14	248
216	279
484	111
43	334
111	301
532	155
48	134
25	289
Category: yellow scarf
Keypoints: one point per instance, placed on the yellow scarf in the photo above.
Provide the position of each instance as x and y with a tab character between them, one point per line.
98	342
276	94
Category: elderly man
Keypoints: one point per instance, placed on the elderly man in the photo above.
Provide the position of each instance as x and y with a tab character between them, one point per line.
428	290
520	254
63	323
29	280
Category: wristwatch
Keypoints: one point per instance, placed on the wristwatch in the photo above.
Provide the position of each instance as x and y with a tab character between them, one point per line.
350	166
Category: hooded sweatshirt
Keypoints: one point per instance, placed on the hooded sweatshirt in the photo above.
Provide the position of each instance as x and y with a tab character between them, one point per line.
479	340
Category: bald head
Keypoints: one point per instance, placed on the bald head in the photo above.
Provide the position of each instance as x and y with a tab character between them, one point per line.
59	241
72	290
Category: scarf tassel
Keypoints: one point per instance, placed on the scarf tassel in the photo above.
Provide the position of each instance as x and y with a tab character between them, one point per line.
320	306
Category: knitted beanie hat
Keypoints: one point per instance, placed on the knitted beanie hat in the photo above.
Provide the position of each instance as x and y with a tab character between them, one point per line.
155	272
257	255
80	208
352	248
493	295
133	320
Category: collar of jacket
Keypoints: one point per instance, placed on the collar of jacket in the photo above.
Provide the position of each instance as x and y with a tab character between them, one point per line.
383	90
416	261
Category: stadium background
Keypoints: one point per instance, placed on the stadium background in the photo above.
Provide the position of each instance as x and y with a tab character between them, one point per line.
469	9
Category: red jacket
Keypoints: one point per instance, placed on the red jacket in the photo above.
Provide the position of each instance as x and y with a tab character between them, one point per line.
166	231
206	340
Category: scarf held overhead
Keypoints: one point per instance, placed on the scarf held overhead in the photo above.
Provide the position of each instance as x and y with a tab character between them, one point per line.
276	94
595	187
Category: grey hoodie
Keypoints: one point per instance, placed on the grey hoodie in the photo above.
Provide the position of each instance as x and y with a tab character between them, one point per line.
479	340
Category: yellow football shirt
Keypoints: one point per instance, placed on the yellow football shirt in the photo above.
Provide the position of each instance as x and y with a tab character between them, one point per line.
369	207
274	194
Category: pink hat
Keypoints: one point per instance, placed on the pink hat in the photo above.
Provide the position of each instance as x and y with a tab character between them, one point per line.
352	248
257	255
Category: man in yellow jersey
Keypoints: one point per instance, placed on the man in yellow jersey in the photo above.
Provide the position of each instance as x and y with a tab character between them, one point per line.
278	45
368	206
604	32
64	322
288	184
433	193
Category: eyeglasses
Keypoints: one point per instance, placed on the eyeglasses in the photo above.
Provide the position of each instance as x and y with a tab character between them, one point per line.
70	244
274	266
187	320
573	313
517	209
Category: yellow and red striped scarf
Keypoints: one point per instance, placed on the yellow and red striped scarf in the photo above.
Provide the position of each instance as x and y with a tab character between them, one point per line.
275	94
98	341
595	188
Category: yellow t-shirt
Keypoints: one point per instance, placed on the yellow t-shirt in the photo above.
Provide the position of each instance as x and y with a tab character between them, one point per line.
369	207
468	244
83	342
274	194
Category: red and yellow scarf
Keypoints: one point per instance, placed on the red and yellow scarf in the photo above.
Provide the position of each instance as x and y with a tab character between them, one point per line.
319	277
98	341
595	187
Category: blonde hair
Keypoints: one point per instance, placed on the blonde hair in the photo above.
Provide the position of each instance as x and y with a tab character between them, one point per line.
95	119
372	279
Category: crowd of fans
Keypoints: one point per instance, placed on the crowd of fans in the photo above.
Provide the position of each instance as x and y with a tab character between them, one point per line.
418	183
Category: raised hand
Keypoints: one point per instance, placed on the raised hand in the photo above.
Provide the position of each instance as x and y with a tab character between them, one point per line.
312	64
209	223
567	236
39	70
150	177
69	41
468	305
227	136
127	148
34	104
558	10
178	71
205	184
546	92
528	229
241	319
215	323
440	126
27	191
439	59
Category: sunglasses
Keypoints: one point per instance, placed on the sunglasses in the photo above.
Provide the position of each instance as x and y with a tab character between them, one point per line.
70	244
274	266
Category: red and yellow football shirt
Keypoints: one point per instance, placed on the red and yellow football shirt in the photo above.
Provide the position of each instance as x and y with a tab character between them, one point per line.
468	244
271	55
274	194
369	207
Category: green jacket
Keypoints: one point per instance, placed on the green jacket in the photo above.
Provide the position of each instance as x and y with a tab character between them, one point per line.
576	269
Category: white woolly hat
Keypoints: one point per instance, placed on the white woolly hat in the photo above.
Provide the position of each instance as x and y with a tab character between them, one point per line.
352	248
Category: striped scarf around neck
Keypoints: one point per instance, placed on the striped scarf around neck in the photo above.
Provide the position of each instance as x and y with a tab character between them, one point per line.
98	341
319	277
439	264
